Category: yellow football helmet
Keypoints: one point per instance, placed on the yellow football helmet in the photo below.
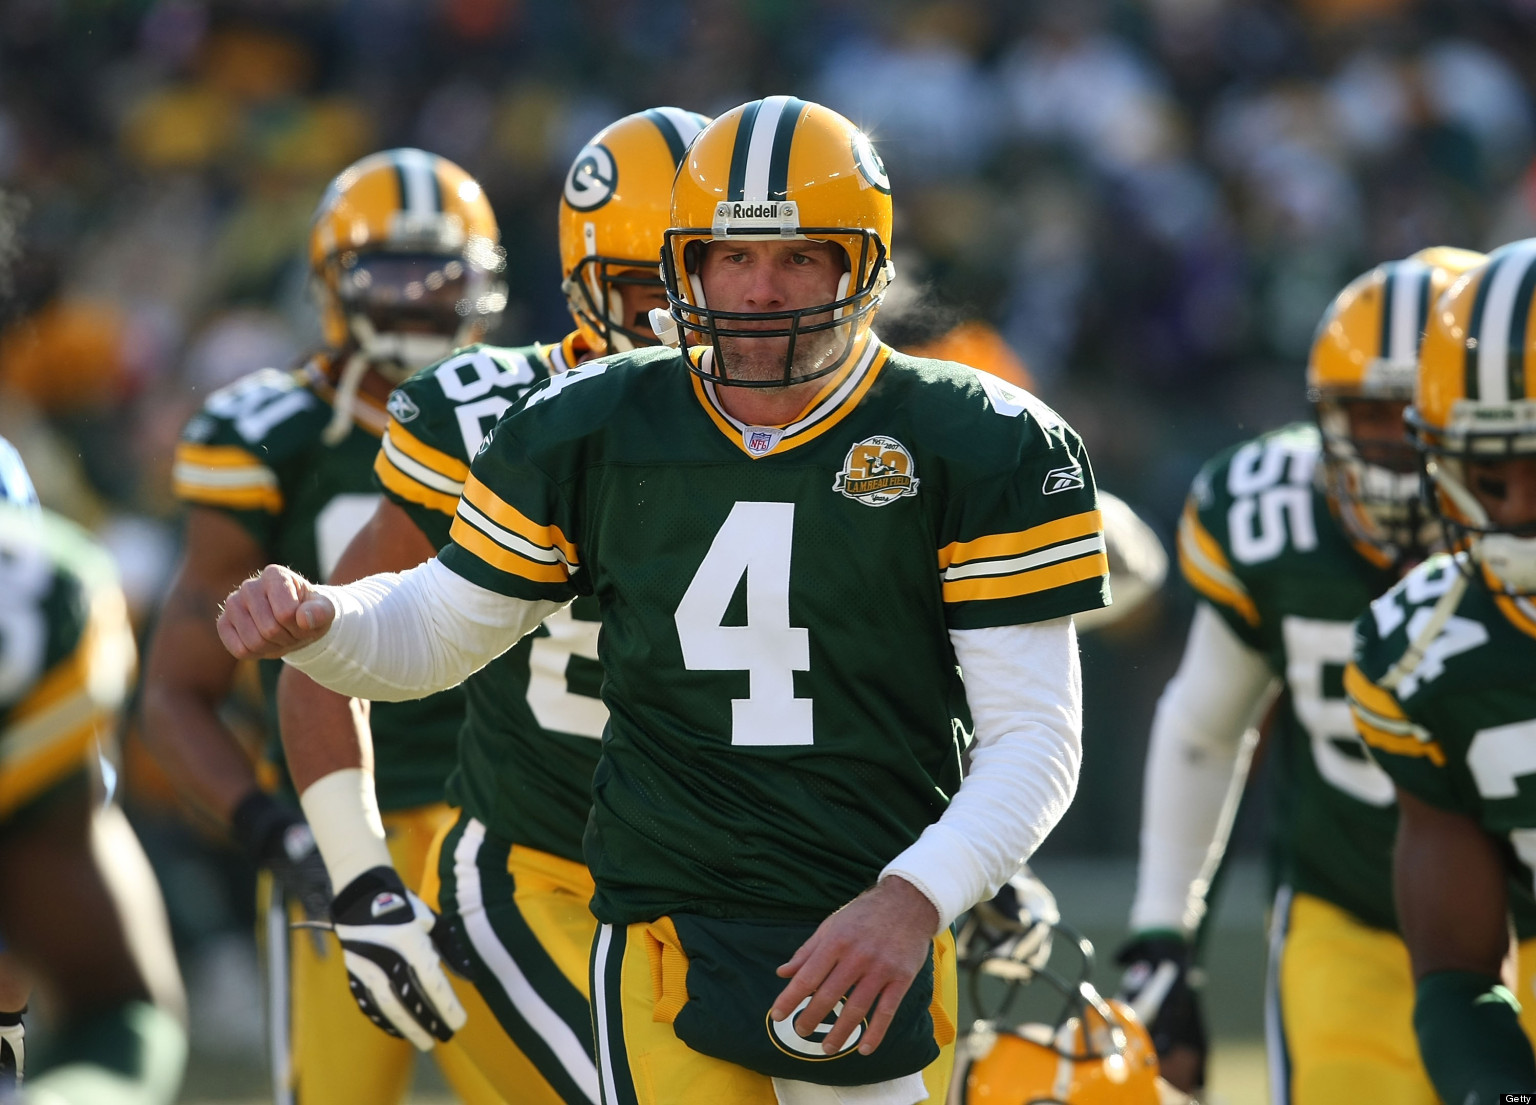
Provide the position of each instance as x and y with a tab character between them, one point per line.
1366	352
1096	1052
404	254
773	169
1475	400
614	209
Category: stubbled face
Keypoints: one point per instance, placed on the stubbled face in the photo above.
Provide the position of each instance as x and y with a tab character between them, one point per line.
753	277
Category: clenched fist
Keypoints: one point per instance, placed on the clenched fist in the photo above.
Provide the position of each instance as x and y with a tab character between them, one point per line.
272	614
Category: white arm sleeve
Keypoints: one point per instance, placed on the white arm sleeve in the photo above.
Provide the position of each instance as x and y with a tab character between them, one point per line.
1195	757
1025	691
406	635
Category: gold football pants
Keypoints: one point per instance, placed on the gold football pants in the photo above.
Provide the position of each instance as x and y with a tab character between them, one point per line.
320	1046
526	923
1339	1009
644	1063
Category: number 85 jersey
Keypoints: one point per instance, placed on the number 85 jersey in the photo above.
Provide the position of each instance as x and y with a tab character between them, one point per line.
1260	543
785	711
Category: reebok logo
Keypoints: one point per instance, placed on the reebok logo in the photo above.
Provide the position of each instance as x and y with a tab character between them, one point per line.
1062	479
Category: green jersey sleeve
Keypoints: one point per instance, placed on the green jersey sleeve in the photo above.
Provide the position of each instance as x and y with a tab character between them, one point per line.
231	451
438	418
1025	543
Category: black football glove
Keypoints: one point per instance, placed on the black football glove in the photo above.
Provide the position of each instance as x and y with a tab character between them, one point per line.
1162	985
277	838
13	1050
393	963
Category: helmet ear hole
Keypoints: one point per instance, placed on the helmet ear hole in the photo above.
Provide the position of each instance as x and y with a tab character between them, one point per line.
693	256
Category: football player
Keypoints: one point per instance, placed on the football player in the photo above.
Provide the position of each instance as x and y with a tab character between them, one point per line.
797	538
511	871
404	258
1285	539
80	911
1443	686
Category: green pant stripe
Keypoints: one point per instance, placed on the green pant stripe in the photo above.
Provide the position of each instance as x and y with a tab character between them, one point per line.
608	1015
544	1015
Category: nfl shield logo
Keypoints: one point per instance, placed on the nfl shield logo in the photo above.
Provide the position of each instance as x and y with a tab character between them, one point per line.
760	440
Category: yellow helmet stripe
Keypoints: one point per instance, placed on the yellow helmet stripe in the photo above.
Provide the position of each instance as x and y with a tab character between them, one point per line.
1498	319
1405	300
420	191
677	127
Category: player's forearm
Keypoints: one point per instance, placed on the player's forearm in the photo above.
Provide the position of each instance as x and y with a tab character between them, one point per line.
1195	757
1024	689
398	637
201	755
1470	1037
322	731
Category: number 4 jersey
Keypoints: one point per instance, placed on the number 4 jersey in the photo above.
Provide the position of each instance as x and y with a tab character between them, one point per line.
1446	699
786	715
533	718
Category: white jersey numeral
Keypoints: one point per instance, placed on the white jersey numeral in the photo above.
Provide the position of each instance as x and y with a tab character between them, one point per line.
1498	758
337	523
469	378
1336	746
1266	513
555	706
259	402
755	541
25	574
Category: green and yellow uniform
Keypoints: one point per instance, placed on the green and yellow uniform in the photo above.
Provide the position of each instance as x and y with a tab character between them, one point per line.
256	452
66	665
1453	722
1259	541
776	603
511	869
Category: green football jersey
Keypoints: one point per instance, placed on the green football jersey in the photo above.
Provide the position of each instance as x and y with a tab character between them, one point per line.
1260	542
785	711
255	452
533	717
1457	728
66	655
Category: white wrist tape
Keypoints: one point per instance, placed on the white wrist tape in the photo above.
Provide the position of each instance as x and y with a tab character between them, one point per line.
343	813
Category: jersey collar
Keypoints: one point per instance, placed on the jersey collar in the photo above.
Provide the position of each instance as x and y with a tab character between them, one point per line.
1518	610
571	351
838	396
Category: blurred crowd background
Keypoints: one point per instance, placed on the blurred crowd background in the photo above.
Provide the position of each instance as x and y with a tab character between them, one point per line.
1152	201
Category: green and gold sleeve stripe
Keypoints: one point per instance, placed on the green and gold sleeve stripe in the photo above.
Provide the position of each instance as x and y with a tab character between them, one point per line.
499	534
1006	565
53	731
1207	569
419	473
1382	724
225	475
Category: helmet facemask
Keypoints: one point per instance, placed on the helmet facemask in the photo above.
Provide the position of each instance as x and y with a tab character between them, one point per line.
845	319
594	294
1374	482
1506	553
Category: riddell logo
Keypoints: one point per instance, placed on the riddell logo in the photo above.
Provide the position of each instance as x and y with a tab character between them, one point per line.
773	211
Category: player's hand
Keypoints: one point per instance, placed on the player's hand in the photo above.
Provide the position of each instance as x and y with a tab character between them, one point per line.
271	614
1161	984
870	951
278	838
13	1050
392	963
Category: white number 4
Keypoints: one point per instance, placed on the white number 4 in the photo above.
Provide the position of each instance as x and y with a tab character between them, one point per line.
755	541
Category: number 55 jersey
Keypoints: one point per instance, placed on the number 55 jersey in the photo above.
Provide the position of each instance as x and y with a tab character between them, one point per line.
776	603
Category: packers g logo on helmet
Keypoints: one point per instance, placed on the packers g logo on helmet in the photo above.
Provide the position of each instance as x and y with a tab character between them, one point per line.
871	165
592	179
614	210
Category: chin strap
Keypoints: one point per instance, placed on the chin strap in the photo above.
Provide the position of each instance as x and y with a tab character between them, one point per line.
1414	654
346	396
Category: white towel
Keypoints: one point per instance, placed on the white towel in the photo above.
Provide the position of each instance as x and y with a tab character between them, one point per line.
907	1090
